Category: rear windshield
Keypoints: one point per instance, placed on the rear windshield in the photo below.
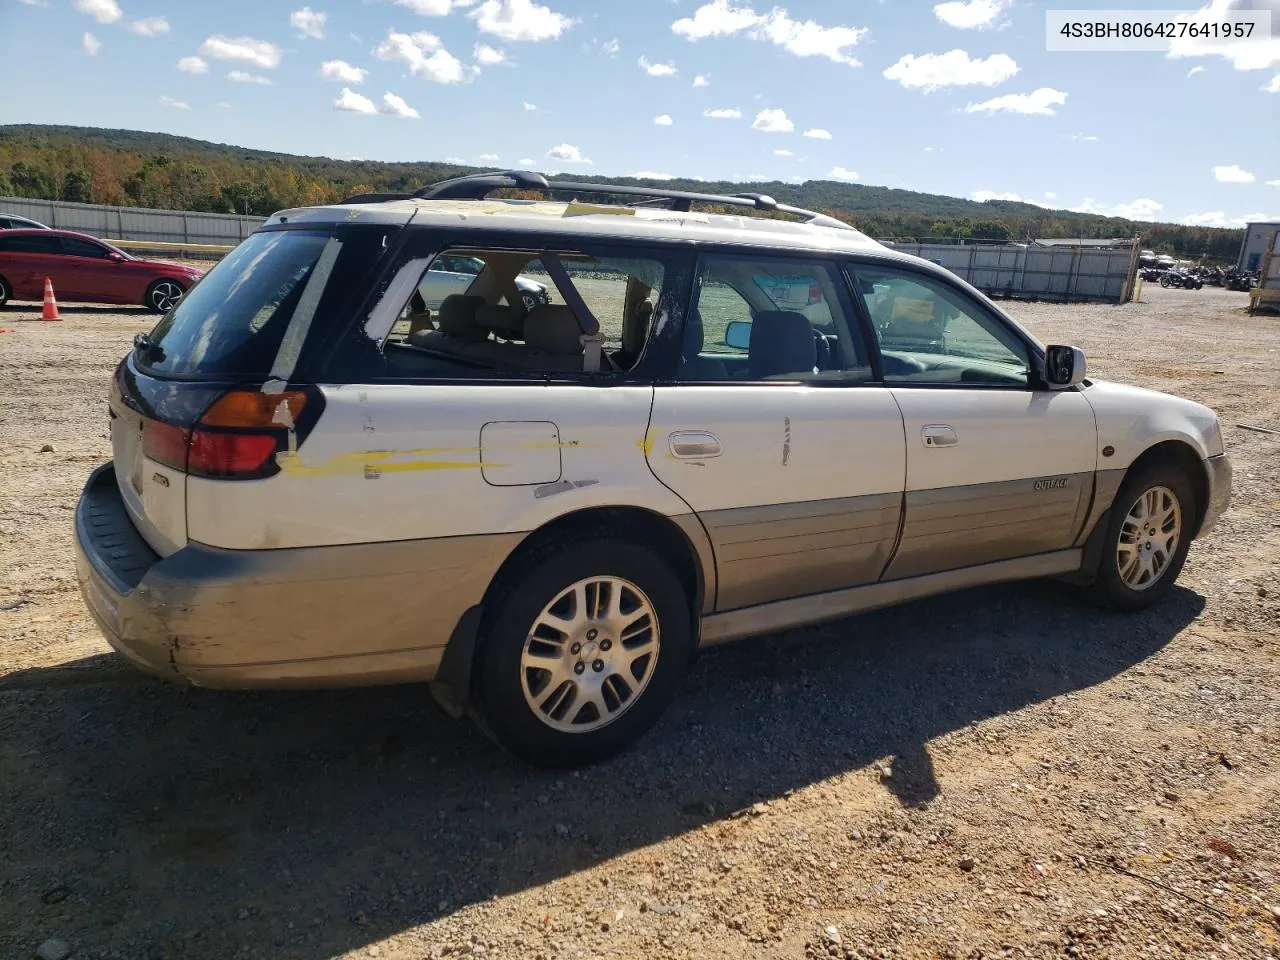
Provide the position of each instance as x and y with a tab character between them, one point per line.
232	323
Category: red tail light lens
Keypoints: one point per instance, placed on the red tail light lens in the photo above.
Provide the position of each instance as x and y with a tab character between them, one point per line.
815	293
165	443
229	455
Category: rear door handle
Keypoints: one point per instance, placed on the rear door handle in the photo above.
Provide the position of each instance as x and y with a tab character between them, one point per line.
694	445
938	435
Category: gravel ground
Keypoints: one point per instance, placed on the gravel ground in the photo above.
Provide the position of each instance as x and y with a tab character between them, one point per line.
1001	773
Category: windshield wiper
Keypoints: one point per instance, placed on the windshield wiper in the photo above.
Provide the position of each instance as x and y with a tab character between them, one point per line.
148	350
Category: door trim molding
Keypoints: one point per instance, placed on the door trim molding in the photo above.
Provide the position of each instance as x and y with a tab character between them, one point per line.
801	611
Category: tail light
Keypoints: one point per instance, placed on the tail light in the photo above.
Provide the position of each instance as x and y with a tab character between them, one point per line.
236	438
815	293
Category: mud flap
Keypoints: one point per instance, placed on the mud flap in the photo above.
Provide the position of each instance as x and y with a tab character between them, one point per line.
451	688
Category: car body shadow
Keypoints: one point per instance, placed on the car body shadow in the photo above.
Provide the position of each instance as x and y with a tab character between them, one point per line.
20	311
320	822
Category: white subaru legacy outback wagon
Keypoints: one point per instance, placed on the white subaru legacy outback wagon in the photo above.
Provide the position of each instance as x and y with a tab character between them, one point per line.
716	426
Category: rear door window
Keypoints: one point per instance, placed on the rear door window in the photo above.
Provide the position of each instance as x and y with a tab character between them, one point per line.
32	243
232	324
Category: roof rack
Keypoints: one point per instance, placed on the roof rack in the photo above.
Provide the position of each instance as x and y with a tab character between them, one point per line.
478	186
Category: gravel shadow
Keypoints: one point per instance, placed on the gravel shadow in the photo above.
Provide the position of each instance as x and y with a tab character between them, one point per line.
143	819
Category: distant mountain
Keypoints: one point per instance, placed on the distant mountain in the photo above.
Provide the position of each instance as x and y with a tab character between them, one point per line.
136	168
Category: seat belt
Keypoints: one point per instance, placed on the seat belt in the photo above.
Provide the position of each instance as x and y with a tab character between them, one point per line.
592	339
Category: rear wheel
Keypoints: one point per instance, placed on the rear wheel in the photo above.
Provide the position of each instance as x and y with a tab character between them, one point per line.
163	295
1147	538
582	651
4	291
1165	281
530	301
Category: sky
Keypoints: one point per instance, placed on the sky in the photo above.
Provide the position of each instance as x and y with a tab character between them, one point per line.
958	97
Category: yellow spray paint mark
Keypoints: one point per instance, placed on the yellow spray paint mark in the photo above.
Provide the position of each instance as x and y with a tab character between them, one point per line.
379	461
646	444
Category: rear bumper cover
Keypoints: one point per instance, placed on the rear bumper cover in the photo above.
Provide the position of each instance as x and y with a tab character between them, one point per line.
318	616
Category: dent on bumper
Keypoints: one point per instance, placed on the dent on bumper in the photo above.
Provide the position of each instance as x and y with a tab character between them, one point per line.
1219	472
322	616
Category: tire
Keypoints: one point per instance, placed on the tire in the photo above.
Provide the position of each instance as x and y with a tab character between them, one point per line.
1164	281
160	296
4	291
530	301
1136	577
532	710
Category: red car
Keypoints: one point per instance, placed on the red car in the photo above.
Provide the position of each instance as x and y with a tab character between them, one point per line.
86	270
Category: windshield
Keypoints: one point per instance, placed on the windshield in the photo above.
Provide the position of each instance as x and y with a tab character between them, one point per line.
232	322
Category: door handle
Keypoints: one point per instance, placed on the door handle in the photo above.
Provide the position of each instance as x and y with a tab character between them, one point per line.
938	435
694	445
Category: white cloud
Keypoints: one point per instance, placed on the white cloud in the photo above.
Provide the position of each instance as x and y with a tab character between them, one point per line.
1274	85
353	102
817	133
843	173
773	120
487	55
982	196
955	68
1084	136
223	105
1144	208
783	152
193	65
1256	53
1194	70
394	106
1273	183
104	11
527	162
1050	195
530	107
1040	101
651	175
609	48
260	53
342	72
309	23
1232	174
970	14
239	76
431	8
702	80
1217	218
518	20
721	18
150	27
667	69
663	120
412	49
91	44
176	104
488	157
34	3
724	113
567	153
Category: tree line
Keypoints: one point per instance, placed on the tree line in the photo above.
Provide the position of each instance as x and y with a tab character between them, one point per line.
135	168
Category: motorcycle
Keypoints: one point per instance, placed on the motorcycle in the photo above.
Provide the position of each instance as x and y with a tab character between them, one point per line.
1180	278
1240	280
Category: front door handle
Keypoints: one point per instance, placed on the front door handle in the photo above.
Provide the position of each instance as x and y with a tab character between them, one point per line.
939	435
694	445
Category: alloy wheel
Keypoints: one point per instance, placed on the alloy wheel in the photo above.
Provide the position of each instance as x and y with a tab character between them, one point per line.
1149	538
164	295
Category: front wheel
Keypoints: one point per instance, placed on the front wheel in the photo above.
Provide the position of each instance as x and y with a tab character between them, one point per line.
1165	281
582	650
1147	537
530	301
4	292
163	295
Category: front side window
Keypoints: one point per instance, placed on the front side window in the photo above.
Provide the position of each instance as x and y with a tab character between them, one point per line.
932	334
75	247
771	319
475	312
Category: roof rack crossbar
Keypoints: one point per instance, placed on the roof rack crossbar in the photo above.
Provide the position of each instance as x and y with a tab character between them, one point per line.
479	185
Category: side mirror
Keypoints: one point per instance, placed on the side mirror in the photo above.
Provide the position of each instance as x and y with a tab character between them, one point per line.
115	258
1064	367
737	334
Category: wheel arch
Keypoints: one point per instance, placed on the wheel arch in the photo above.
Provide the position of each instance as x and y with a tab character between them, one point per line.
681	541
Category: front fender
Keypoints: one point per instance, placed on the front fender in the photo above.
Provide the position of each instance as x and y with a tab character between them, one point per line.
1132	420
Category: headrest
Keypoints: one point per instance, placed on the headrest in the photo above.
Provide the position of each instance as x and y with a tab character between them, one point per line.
694	334
501	318
781	342
457	317
553	328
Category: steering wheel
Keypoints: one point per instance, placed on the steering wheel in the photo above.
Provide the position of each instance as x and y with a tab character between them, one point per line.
821	349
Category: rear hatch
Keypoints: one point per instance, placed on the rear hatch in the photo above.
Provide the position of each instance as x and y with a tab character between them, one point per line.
216	389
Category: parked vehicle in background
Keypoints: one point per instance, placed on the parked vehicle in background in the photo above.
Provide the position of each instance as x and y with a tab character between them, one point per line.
1181	278
86	270
456	274
9	221
1240	280
724	426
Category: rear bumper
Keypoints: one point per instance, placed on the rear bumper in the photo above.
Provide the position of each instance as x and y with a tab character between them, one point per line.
323	616
1219	472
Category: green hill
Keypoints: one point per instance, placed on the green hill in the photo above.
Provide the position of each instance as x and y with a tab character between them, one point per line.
136	168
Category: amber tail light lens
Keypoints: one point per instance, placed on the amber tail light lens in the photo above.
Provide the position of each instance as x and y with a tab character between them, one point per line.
236	438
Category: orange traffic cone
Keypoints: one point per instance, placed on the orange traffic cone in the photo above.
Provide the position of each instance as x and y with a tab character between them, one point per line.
50	304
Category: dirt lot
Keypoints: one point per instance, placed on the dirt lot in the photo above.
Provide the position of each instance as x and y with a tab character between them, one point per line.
1004	772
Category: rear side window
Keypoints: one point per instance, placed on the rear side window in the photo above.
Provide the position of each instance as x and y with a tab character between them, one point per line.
233	322
31	243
